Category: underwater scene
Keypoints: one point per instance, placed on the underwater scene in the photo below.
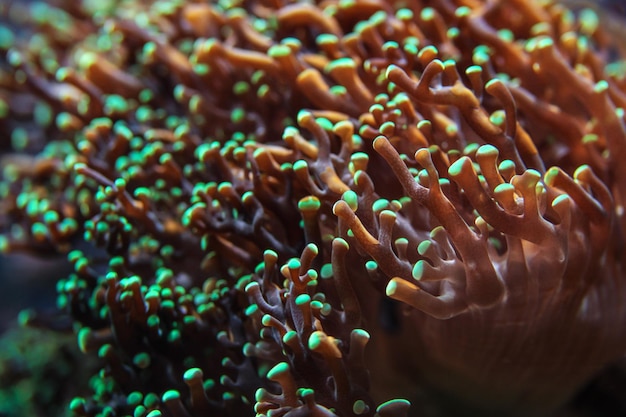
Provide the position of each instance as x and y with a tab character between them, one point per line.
325	208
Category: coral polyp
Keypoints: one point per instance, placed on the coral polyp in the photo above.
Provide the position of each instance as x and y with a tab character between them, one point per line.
321	208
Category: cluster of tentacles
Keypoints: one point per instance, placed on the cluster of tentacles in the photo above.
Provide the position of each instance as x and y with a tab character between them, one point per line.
299	209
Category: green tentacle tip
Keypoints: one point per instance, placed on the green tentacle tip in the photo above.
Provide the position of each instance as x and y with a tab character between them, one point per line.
247	197
430	49
154	413
601	86
501	188
303	299
64	120
340	63
278	370
561	199
317	305
397	403
142	192
545	43
313	248
418	270
248	350
390	68
142	360
352	199
202	151
551	175
151	400
404	14
309	203
533	173
392	287
324	123
77	404
15	58
4	108
7	38
251	309
506	35
315	340
359	407
341	242
387	128
474	69
590	138
326	39
427	13
193	374
589	20
260	394
300	165
581	169
326	271
506	165
170	395
266	320
422	124
115	104
277	51
487	150
457	167
361	333
105	350
390	45
289	336
270	255
39	230
294	264
304	116
25	316
423	247
306	392
251	285
84	335
134	398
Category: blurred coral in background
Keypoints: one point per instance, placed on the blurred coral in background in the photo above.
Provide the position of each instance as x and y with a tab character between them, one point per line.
333	208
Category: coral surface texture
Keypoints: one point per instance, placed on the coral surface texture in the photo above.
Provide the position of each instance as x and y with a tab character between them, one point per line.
319	208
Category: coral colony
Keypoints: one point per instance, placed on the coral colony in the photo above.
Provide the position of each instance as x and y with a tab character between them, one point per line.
321	208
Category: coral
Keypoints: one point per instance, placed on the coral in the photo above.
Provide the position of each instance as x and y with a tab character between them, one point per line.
321	208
